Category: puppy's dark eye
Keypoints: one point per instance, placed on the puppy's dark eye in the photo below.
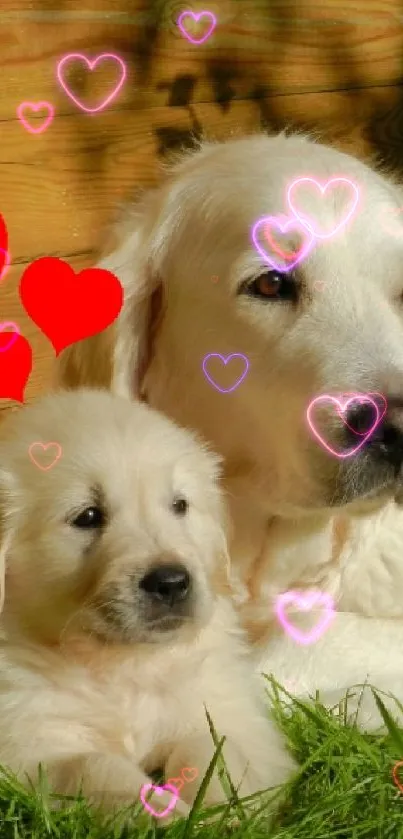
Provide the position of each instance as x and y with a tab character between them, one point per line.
180	506
271	286
90	518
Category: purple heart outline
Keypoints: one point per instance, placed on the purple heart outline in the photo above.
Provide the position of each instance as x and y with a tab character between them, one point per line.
225	360
275	221
196	17
14	334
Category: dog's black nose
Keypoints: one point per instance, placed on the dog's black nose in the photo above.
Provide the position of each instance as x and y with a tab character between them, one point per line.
169	584
386	439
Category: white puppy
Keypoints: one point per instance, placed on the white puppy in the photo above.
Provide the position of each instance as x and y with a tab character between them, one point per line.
117	629
195	284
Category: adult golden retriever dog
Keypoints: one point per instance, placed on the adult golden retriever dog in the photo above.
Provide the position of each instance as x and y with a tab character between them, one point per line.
117	631
196	284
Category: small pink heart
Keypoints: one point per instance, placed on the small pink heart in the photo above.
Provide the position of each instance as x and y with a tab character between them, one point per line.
196	17
265	225
190	773
91	65
35	106
342	407
294	197
44	447
305	601
15	332
176	782
319	285
158	791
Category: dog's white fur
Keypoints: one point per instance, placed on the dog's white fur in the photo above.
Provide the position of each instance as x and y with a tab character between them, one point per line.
88	702
346	336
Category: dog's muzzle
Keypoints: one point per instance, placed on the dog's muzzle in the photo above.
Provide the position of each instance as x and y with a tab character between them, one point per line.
166	591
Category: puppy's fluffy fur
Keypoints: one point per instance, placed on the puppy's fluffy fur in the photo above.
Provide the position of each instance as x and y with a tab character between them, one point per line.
94	684
301	517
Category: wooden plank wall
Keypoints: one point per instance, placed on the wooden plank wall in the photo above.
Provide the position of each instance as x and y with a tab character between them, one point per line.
334	67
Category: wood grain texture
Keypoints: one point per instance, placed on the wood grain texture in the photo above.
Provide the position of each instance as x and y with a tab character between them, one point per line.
333	68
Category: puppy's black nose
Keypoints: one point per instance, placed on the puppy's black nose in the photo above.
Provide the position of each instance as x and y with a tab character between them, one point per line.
168	584
386	440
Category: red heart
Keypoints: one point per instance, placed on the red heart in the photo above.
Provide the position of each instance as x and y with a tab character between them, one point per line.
3	244
395	776
15	366
67	306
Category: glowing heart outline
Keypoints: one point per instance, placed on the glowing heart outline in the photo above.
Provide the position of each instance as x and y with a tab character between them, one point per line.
342	410
305	601
225	360
15	333
44	447
323	189
362	398
35	106
196	17
159	791
176	782
190	770
275	220
91	63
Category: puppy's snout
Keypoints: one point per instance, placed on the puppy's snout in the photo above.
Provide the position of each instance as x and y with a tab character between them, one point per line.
386	439
167	584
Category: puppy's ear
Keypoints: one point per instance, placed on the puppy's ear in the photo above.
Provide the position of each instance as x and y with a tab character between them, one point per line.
118	357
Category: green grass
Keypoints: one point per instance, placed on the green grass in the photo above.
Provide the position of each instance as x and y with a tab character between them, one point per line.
344	788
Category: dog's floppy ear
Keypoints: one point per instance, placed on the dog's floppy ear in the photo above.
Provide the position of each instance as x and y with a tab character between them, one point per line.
117	358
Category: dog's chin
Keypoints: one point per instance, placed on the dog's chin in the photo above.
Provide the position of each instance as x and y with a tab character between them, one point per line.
363	485
164	630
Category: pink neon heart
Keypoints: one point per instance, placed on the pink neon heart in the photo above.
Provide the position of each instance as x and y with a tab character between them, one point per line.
360	400
44	447
159	791
35	106
309	222
292	259
305	601
342	406
91	64
196	17
225	360
14	334
7	263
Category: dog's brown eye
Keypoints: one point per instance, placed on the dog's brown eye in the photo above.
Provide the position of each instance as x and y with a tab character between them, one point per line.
180	506
271	286
268	285
91	517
